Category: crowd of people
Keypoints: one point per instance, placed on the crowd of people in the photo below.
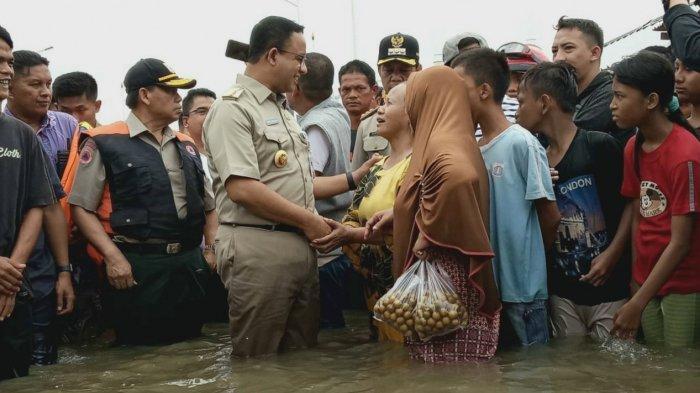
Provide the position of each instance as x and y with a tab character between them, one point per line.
559	198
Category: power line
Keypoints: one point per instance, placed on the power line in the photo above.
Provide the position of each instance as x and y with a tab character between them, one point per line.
629	33
638	29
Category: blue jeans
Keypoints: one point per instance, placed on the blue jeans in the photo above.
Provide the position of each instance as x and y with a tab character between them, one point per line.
332	277
529	321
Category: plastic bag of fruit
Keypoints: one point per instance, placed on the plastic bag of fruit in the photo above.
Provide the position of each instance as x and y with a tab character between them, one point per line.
438	310
396	307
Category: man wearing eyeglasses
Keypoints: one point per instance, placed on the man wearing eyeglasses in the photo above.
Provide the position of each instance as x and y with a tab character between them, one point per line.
263	182
195	107
398	59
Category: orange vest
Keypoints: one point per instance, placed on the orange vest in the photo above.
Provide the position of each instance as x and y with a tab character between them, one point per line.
104	210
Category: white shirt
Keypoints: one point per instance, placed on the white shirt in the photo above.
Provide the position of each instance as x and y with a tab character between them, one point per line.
320	148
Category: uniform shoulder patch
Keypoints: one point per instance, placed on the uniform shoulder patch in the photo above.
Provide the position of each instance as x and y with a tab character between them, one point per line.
233	94
87	152
369	113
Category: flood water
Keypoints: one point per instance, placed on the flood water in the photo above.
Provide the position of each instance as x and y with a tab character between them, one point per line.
345	361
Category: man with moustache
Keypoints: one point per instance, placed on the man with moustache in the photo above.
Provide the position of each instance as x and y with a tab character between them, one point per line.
398	59
141	199
48	269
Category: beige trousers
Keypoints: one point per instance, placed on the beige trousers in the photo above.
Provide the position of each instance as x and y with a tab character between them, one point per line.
273	290
571	319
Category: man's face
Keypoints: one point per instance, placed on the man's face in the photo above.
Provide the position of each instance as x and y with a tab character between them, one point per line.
31	92
515	78
290	64
529	114
164	103
356	93
571	46
475	103
687	84
80	107
6	69
395	72
629	106
194	120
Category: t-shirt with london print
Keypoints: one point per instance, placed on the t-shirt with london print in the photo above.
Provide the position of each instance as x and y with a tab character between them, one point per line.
587	192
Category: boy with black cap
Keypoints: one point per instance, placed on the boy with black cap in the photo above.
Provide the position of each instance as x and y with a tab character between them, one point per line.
398	58
148	227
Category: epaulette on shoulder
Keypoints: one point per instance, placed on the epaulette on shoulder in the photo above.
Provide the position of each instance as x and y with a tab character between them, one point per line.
369	113
233	94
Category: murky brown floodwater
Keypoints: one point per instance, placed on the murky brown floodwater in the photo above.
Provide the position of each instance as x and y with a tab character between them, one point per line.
346	362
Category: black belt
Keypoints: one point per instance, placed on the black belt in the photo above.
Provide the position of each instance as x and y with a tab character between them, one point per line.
155	248
275	228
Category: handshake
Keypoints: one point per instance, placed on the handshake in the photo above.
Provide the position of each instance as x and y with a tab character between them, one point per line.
327	235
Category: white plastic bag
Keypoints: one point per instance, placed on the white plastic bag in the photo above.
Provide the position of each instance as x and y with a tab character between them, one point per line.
396	307
422	303
438	310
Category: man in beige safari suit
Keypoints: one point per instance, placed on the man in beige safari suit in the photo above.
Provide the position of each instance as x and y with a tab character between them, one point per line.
263	185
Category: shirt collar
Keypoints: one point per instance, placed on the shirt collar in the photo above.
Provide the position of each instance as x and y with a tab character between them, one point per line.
48	120
136	127
259	91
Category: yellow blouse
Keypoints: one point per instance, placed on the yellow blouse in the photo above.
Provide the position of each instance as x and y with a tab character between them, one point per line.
383	194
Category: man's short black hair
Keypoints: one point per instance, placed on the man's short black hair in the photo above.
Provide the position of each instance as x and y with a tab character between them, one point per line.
557	80
191	95
271	32
486	65
25	59
317	83
360	67
664	51
589	28
75	84
5	36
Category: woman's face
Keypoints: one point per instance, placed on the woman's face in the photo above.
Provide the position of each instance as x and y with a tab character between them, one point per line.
629	106
392	117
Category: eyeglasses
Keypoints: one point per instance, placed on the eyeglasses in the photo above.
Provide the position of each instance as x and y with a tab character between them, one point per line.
301	58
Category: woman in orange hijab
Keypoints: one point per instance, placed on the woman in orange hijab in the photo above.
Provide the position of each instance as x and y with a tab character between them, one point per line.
441	212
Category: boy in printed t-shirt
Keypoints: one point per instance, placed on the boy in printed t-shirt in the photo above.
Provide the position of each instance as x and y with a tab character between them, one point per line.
589	265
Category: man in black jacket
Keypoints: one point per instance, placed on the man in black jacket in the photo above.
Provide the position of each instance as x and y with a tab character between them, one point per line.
579	42
683	26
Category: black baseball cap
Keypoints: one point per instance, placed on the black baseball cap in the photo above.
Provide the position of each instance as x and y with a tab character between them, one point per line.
401	47
154	72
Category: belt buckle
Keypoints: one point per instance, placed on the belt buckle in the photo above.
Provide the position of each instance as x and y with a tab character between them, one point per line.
173	248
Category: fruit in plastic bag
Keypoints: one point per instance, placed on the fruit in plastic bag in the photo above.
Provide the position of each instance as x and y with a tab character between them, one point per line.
396	307
438	310
422	303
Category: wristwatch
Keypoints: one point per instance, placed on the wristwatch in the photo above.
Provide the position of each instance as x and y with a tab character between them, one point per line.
68	268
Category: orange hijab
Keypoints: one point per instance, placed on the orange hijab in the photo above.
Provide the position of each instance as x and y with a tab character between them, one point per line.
445	194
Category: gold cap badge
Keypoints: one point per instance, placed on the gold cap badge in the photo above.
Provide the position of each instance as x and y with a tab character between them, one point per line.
397	40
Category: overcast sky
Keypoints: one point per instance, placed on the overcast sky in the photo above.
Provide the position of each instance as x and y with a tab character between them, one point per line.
106	37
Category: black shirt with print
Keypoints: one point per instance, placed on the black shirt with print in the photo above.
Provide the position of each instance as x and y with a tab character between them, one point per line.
24	182
590	204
